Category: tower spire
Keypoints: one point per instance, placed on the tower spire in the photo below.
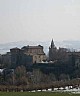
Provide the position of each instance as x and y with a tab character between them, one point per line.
52	44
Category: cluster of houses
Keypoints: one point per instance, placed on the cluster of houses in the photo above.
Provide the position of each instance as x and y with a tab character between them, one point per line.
25	55
35	54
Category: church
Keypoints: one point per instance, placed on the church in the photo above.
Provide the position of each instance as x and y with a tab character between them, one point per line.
63	54
57	54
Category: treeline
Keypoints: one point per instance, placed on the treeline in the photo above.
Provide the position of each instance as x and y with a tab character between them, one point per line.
62	70
41	73
75	83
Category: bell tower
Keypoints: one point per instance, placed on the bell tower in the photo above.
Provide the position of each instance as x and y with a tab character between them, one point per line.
52	44
52	51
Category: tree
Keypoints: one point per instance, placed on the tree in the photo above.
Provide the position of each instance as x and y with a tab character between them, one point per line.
37	75
20	75
52	77
63	77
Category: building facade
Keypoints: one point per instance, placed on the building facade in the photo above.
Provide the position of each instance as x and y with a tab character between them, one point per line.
36	52
19	58
27	55
52	52
57	54
63	54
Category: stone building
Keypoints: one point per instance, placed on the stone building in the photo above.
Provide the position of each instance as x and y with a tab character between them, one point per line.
52	51
63	54
74	58
5	60
19	58
27	55
57	54
36	52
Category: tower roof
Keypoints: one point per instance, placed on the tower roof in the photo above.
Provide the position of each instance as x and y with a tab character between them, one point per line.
52	44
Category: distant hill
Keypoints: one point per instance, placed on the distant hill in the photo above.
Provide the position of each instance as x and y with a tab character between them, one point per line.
66	44
7	46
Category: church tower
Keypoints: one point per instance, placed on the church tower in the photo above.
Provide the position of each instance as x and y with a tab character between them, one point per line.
52	51
52	44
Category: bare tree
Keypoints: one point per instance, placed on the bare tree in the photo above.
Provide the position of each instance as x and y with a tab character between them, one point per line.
20	75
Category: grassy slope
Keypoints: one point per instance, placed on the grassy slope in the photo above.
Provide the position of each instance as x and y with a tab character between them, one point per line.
35	94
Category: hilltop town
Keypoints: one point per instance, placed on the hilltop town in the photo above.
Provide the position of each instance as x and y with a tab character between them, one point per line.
30	65
35	54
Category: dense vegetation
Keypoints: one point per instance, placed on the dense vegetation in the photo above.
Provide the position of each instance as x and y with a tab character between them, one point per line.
41	75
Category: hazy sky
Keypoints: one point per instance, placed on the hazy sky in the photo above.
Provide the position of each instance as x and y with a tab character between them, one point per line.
39	20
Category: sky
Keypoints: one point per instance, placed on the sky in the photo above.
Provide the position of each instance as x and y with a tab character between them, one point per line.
39	20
